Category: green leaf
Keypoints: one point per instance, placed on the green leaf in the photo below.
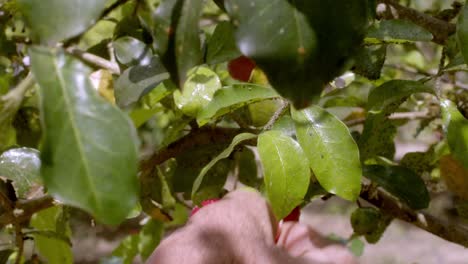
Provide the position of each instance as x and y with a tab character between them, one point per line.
397	31
187	39
22	166
369	61
400	182
52	21
377	137
233	97
456	127
56	251
286	171
131	51
331	151
150	236
198	90
159	21
356	246
89	153
139	80
387	97
276	36
225	154
221	46
128	249
462	32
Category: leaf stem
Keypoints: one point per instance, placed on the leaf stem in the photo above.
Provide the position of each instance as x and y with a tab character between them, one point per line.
94	60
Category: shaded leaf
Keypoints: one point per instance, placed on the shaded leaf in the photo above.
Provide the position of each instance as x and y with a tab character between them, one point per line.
22	166
331	151
87	139
397	31
286	171
139	80
221	46
131	51
233	97
52	21
247	168
187	39
369	61
387	97
224	154
377	137
456	127
198	90
462	32
400	182
56	251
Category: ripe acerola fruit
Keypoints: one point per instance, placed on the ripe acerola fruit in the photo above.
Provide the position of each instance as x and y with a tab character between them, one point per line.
204	203
293	215
241	68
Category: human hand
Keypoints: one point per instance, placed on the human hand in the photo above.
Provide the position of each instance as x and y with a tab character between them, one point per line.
241	228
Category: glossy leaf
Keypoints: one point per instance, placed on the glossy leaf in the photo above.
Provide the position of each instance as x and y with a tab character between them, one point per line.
233	97
89	153
198	91
331	151
56	251
138	80
131	51
274	42
52	21
221	46
462	32
401	182
286	171
22	166
456	127
387	97
397	31
225	154
187	39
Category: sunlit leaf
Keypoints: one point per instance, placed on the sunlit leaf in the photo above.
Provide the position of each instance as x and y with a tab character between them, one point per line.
286	171
233	97
456	127
198	90
331	151
52	21
401	182
89	153
22	166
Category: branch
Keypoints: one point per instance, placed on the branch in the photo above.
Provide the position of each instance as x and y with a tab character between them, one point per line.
24	209
439	28
394	116
278	113
94	60
389	204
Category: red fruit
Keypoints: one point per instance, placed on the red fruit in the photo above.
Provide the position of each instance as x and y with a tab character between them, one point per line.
293	215
241	68
204	203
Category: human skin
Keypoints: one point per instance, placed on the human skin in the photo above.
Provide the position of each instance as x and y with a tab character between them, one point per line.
241	228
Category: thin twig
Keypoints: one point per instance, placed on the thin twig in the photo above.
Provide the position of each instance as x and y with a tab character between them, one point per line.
94	60
278	113
394	116
391	205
